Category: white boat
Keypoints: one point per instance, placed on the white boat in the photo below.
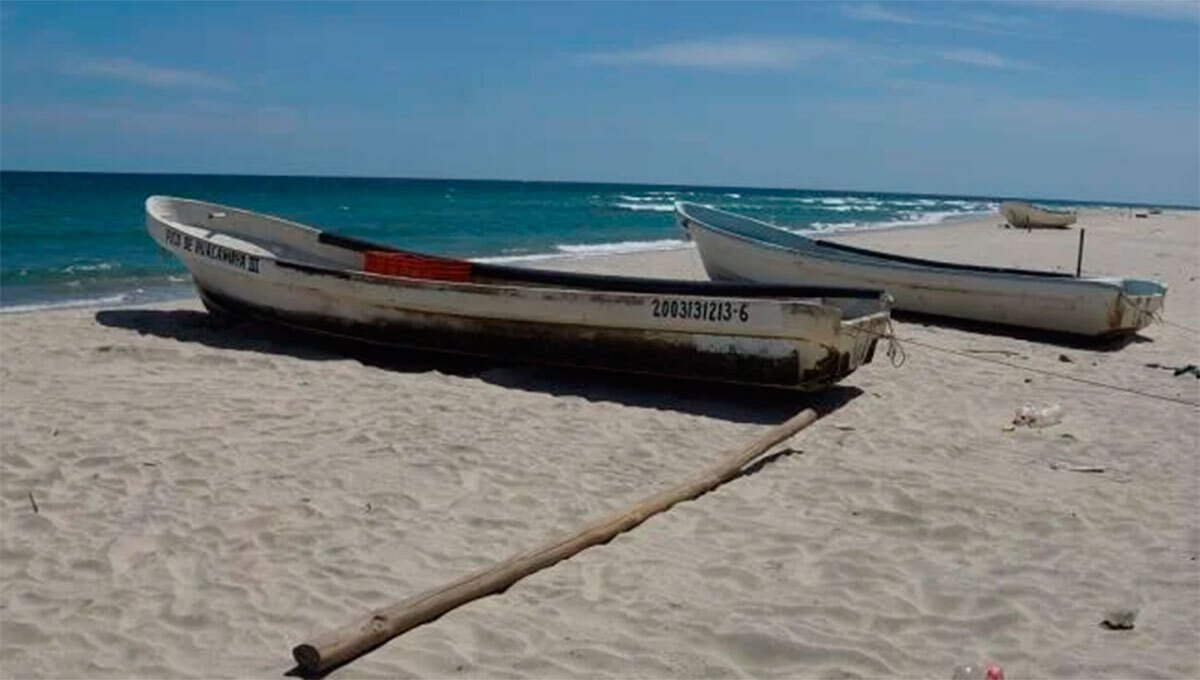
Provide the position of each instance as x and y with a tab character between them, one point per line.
1024	215
737	248
268	268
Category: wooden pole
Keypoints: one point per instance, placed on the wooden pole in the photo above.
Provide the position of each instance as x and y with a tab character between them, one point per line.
1079	260
344	644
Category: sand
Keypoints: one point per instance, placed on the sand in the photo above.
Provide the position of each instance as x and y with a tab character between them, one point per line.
207	498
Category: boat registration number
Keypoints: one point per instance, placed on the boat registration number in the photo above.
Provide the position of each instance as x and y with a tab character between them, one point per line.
700	310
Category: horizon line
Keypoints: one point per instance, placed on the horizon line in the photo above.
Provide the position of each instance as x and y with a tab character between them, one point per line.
609	182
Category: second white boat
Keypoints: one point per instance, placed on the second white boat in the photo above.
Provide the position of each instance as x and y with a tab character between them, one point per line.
738	248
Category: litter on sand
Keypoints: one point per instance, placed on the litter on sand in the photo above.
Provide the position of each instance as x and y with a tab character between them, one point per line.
1032	416
1177	370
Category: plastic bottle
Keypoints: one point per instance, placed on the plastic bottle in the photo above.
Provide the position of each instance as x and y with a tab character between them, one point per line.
977	671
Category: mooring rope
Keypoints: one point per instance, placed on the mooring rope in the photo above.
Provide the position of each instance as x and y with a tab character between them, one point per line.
1157	315
895	351
894	346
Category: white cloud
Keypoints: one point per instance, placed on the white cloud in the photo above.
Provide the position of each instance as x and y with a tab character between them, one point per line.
145	74
726	53
874	12
1009	24
985	59
1188	10
1002	23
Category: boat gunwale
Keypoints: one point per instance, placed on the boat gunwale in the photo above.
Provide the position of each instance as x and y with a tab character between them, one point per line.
540	279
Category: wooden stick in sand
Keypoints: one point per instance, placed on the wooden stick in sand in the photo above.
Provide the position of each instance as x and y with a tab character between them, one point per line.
340	645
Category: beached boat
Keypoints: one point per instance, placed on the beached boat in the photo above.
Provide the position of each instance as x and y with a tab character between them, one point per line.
1024	215
244	263
738	248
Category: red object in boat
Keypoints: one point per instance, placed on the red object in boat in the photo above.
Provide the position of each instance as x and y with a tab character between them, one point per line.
413	266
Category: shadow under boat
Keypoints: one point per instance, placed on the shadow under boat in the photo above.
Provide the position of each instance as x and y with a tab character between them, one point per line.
731	402
1102	343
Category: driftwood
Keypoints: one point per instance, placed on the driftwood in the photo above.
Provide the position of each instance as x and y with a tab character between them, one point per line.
340	645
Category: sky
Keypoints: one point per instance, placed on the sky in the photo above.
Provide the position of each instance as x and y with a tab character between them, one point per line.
1085	100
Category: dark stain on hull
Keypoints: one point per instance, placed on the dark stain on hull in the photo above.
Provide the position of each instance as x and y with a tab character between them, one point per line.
659	353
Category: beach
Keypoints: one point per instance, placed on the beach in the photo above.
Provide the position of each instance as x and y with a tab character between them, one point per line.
181	499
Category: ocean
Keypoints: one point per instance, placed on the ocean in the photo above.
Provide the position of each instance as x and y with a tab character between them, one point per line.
70	239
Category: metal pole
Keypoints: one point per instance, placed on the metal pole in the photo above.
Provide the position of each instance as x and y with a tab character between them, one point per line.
1079	261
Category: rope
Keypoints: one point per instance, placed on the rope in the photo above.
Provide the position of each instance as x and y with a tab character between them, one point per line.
1157	315
1096	383
895	350
1180	326
894	346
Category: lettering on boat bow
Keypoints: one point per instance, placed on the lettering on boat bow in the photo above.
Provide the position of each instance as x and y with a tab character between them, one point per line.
210	250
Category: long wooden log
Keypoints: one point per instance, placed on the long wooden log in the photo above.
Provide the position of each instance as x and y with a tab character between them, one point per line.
341	645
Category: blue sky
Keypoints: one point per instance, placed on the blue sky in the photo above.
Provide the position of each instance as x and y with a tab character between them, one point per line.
1087	100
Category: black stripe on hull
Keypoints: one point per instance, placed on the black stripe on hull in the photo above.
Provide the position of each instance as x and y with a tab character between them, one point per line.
529	342
937	264
493	273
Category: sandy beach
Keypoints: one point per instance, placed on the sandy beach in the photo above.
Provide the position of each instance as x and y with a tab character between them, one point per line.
185	500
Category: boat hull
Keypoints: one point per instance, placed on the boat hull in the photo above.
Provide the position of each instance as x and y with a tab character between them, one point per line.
1027	216
1061	304
751	341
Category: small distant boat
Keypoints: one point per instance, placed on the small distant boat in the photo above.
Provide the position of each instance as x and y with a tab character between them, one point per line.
1024	215
737	248
264	267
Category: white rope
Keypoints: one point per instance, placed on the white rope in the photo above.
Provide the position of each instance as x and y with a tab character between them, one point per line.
1156	315
894	348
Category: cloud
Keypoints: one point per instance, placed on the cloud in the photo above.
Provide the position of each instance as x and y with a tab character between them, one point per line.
1002	23
1010	24
1172	10
873	12
985	59
145	74
781	53
726	53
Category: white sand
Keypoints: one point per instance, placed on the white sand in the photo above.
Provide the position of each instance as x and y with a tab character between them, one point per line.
209	498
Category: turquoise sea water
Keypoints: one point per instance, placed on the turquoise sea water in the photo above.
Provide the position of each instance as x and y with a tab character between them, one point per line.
78	238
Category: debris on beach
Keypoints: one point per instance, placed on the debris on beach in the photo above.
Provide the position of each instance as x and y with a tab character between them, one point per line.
1072	467
1119	619
1177	370
977	671
1031	416
1004	352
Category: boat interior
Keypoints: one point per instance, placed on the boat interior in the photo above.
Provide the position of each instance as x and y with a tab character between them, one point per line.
853	302
298	246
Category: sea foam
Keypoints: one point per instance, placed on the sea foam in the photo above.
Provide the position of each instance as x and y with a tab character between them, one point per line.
581	250
652	207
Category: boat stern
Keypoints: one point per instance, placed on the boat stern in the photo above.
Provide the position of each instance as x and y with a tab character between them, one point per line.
853	346
1136	306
